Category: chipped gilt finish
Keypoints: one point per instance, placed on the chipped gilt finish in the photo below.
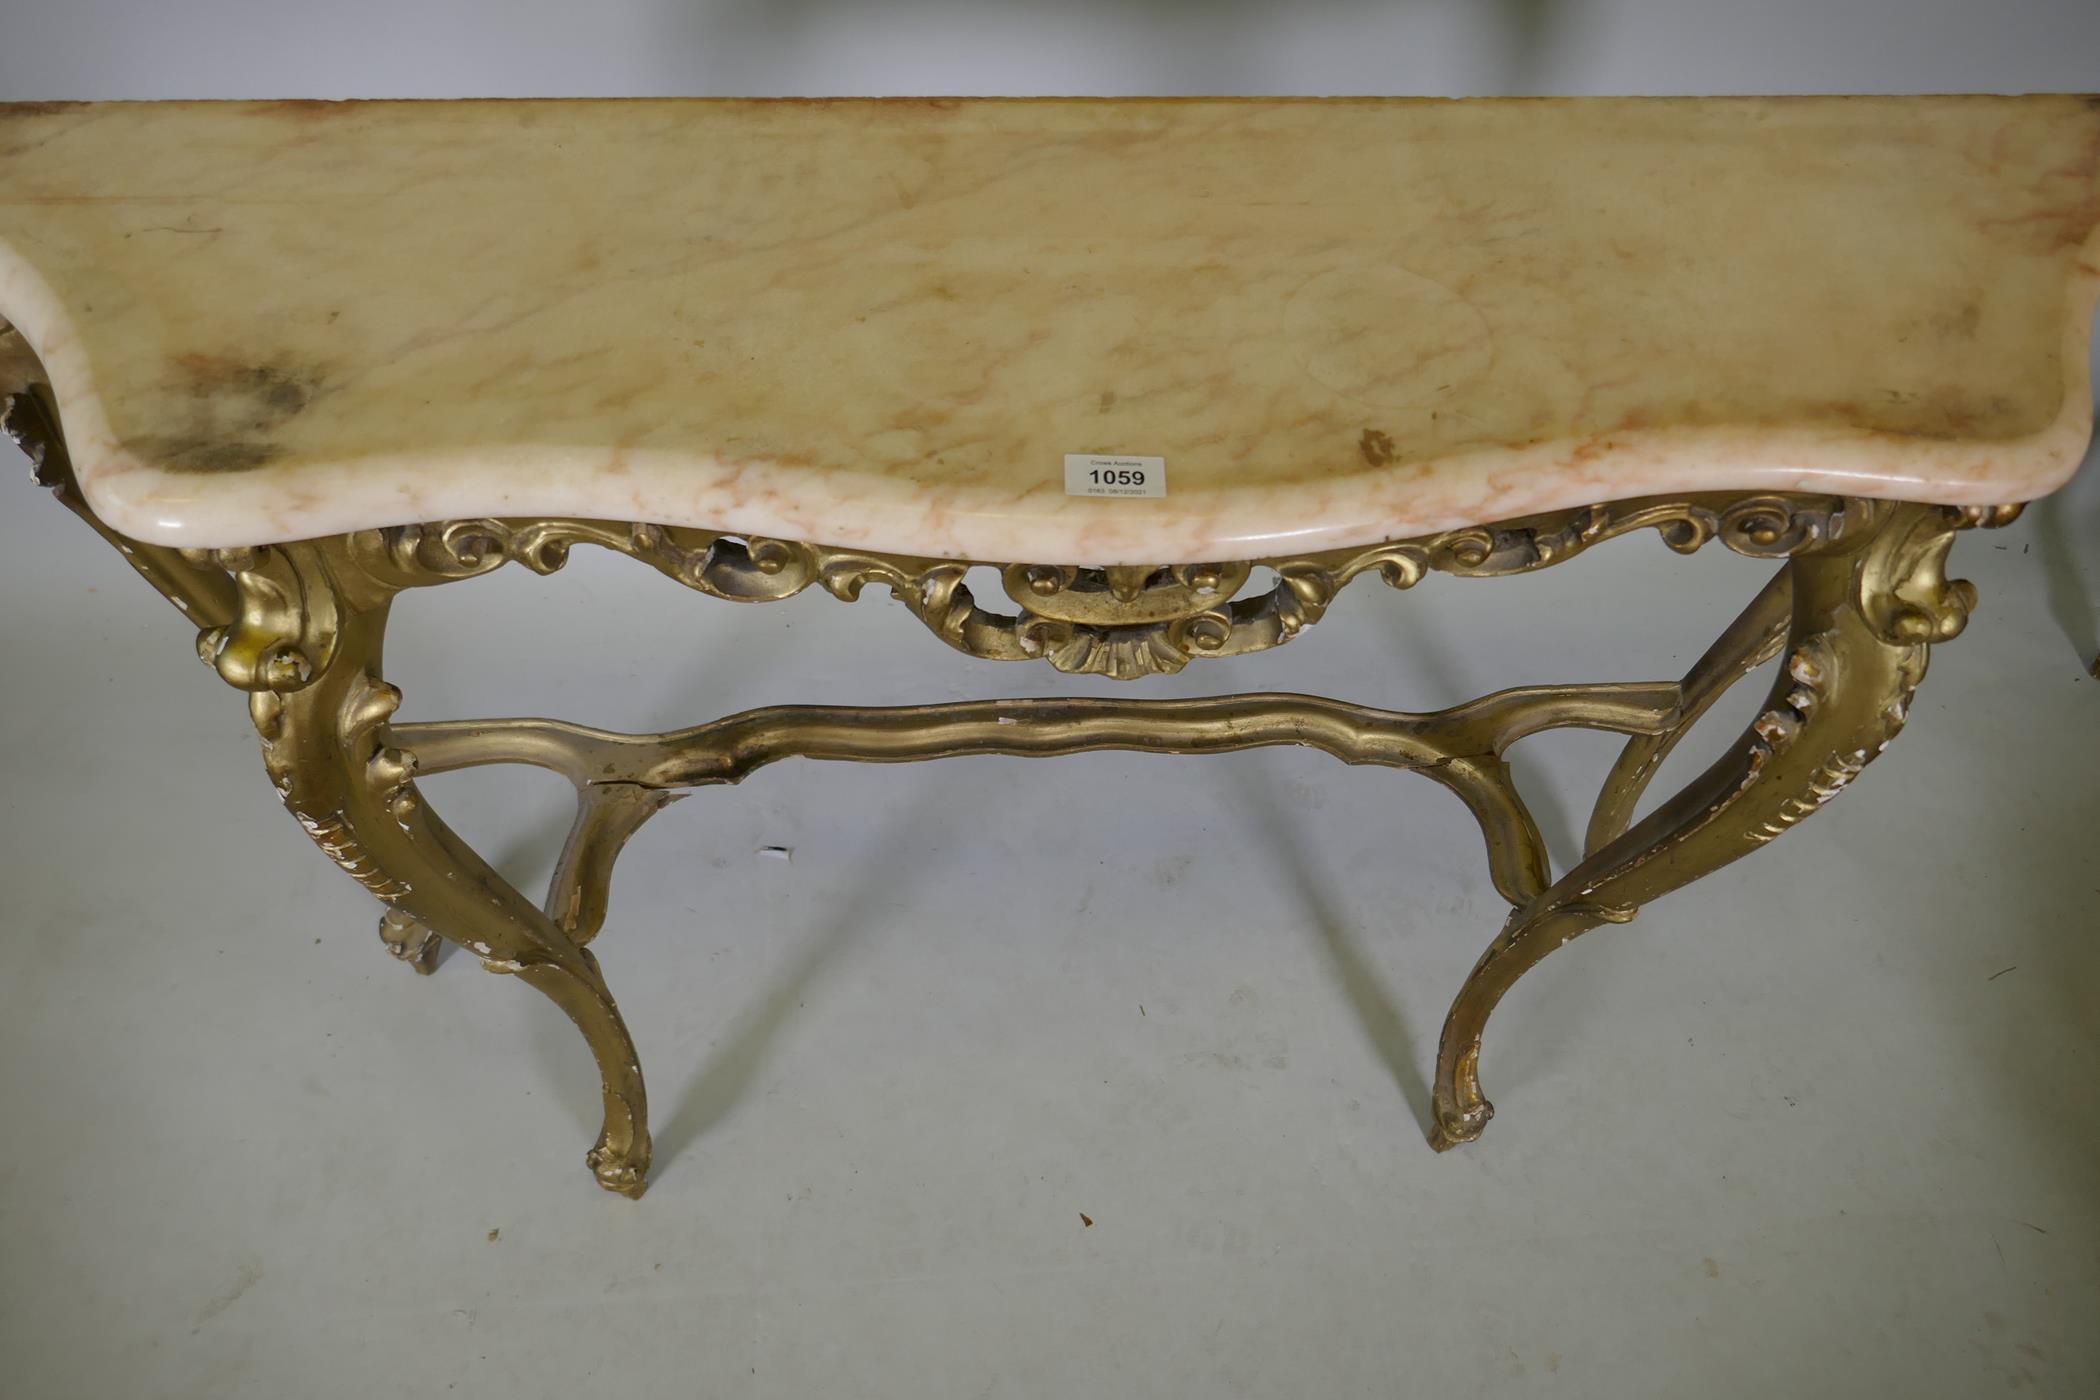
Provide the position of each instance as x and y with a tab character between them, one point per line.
294	358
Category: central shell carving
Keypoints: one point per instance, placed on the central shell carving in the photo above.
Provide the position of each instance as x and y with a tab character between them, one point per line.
1122	595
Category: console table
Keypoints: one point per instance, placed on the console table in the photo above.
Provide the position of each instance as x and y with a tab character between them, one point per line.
1180	370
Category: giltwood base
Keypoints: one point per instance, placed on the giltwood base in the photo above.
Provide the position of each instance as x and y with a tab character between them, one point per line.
1855	605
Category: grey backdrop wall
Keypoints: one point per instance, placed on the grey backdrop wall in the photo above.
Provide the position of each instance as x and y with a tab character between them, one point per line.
225	48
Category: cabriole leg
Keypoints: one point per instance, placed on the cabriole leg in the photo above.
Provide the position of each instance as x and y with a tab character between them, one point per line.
1863	613
329	750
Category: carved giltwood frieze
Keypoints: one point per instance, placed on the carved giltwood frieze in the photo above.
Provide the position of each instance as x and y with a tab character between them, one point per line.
1121	621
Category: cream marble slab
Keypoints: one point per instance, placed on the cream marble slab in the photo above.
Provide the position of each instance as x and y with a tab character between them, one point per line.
884	323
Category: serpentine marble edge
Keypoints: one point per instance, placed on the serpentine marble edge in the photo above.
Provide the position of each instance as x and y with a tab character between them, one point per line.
883	323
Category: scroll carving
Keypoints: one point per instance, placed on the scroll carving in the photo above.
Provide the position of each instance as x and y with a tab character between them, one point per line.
1121	621
1904	591
284	627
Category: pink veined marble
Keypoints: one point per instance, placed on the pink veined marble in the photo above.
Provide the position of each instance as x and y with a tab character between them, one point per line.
884	324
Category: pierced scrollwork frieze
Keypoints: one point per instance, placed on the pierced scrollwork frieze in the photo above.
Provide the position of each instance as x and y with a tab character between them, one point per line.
1121	621
1118	621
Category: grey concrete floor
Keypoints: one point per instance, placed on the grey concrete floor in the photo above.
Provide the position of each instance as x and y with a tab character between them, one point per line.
1823	1125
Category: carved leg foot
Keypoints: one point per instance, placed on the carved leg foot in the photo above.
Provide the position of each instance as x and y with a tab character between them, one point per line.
1863	612
1461	1112
620	1157
410	941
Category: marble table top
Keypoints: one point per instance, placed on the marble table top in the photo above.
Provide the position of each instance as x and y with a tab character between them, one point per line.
888	324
